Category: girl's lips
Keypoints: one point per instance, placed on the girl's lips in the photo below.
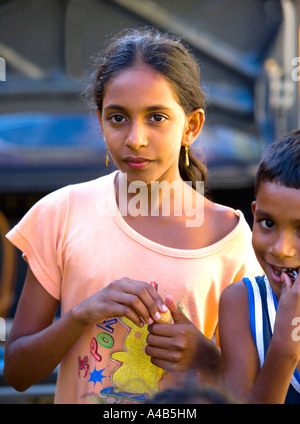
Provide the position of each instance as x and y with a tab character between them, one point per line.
137	163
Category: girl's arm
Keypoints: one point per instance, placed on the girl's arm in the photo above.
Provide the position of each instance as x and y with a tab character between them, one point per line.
36	344
241	371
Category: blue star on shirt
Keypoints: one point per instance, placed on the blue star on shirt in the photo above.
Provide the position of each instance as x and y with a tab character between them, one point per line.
96	376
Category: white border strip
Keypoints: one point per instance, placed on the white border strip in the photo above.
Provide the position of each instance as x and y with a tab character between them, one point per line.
258	322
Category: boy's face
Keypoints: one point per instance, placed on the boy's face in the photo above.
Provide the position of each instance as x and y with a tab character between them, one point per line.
276	231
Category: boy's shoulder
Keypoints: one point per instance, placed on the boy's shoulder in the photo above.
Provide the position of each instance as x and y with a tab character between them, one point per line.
234	311
235	294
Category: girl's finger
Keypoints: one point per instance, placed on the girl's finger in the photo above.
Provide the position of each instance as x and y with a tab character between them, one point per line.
149	297
130	306
140	296
120	310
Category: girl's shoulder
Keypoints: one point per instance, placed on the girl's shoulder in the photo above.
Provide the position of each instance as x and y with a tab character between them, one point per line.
80	190
219	211
221	219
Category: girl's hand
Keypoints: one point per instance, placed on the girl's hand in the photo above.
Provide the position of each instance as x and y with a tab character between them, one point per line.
288	317
174	347
136	300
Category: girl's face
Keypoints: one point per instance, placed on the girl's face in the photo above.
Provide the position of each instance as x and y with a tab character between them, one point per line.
276	231
144	126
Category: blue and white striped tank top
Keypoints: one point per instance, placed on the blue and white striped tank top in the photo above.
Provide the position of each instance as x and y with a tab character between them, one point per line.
262	307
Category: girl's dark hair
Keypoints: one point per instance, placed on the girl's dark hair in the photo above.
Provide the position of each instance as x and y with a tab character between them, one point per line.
167	55
281	162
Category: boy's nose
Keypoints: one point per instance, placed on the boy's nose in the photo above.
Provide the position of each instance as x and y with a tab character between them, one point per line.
136	137
283	247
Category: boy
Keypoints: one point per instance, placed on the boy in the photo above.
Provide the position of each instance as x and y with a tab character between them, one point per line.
260	342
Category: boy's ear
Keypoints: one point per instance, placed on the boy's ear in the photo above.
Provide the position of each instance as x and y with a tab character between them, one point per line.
253	207
194	126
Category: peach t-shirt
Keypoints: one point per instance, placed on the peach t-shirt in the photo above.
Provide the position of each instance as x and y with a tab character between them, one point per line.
76	242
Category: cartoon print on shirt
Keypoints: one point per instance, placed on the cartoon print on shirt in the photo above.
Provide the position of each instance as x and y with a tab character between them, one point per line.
127	356
96	375
102	342
112	397
186	308
128	377
83	366
107	325
125	386
94	349
105	340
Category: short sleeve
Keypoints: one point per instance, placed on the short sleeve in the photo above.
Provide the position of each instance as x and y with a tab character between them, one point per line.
40	235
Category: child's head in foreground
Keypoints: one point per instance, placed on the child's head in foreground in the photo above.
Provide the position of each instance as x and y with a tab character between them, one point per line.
276	210
192	392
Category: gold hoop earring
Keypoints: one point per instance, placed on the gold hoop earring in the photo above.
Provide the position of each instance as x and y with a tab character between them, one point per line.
187	161
107	157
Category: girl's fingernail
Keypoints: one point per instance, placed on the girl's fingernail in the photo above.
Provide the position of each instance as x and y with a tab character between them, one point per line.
164	308
150	321
157	315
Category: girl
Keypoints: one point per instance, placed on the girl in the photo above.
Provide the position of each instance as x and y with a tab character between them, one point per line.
111	254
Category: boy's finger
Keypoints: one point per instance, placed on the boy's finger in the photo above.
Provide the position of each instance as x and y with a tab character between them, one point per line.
287	282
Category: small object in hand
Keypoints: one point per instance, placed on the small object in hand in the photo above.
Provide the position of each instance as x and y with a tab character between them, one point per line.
165	317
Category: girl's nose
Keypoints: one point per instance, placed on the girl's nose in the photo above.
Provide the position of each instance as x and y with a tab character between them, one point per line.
136	137
284	247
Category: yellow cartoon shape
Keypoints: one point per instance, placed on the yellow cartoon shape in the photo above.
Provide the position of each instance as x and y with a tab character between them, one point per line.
136	373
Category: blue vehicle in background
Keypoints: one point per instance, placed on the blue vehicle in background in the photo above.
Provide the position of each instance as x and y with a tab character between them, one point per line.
248	56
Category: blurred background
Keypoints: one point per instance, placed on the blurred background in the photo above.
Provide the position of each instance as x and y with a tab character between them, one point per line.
248	52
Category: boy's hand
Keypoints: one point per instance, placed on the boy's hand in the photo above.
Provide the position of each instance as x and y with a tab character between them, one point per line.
287	313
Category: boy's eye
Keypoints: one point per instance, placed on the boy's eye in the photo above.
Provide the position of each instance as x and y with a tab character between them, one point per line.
267	223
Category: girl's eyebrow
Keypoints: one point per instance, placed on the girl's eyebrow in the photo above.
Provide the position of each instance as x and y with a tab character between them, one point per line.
147	109
115	107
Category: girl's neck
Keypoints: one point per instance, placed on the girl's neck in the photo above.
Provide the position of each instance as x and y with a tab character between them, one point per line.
159	198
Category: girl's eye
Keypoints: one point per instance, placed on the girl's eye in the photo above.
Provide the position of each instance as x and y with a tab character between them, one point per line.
117	119
157	117
267	224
